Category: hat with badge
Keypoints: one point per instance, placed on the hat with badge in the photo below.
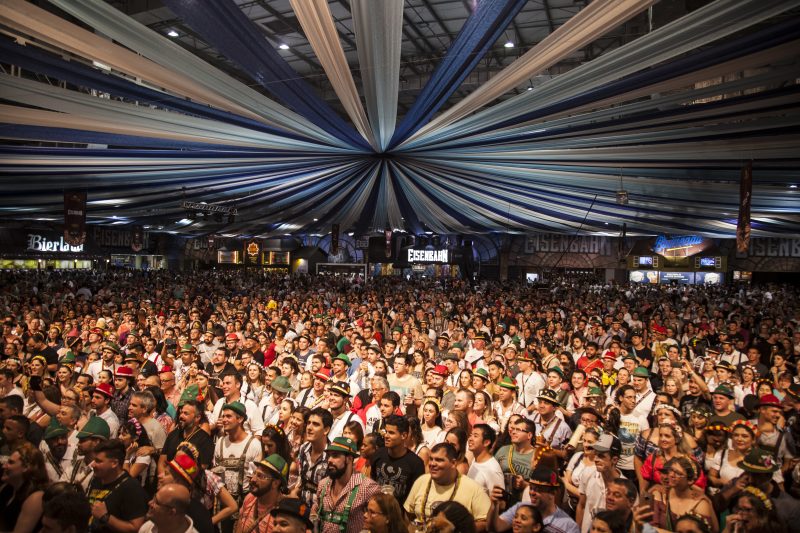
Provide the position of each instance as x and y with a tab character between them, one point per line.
441	370
112	346
123	372
340	387
187	348
295	508
95	427
548	395
758	461
104	389
343	445
544	476
725	365
724	389
556	370
769	400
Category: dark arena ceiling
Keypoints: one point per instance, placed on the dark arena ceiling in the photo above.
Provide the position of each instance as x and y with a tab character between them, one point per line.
467	116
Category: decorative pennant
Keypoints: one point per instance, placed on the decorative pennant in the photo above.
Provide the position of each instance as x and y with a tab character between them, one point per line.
745	201
388	234
334	239
75	217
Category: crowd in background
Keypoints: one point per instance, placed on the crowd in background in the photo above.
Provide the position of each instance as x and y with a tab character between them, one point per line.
249	402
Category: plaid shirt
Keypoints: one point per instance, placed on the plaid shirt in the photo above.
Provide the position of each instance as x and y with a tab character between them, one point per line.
311	473
120	403
355	520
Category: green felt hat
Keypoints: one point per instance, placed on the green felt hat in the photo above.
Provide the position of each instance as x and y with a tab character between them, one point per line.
343	445
281	384
507	383
343	357
55	429
189	393
482	373
641	372
277	465
95	427
236	407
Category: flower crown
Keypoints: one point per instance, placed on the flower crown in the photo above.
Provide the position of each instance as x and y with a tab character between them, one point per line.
747	425
276	429
674	426
699	519
137	426
758	493
435	402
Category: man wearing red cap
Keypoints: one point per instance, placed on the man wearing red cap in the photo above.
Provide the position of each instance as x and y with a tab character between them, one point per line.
773	438
101	406
123	379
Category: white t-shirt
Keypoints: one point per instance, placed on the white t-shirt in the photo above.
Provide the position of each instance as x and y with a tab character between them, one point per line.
630	426
594	488
254	423
487	474
339	423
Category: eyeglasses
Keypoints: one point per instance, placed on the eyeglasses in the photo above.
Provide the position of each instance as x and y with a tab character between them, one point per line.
371	512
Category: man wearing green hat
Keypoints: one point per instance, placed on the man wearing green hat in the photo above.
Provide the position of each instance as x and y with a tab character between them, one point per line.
234	454
231	386
266	482
722	400
644	393
507	404
344	494
56	461
106	361
93	432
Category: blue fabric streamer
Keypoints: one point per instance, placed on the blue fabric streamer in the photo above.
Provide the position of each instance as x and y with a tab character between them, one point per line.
225	26
481	30
42	62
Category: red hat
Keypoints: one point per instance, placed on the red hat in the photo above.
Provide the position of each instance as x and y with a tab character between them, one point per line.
232	337
769	400
105	389
441	370
610	355
123	372
660	329
322	376
96	331
165	368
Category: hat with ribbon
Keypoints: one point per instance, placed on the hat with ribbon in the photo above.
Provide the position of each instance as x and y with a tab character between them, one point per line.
123	372
105	389
111	346
507	383
481	373
190	393
340	387
548	395
343	445
277	466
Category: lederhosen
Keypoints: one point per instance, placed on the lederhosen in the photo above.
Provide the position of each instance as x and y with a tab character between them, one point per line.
333	517
776	448
234	464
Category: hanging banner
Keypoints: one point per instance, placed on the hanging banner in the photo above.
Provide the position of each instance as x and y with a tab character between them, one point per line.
75	217
388	234
252	251
334	239
211	241
745	200
137	238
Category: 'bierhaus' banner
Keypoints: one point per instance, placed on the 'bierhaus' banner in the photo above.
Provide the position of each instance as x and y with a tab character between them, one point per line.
75	217
745	200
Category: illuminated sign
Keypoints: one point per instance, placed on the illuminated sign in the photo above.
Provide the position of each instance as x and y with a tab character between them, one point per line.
38	243
664	244
428	256
252	248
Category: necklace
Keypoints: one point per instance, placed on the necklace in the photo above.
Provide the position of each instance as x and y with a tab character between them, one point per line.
428	491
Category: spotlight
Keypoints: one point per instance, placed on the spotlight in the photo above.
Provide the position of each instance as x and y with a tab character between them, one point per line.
509	44
173	33
283	46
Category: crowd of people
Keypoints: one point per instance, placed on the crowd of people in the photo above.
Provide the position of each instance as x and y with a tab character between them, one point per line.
248	402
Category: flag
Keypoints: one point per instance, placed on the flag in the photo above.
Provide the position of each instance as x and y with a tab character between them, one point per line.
745	201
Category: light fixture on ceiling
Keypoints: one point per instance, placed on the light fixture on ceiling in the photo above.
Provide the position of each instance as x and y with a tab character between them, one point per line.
316	220
283	46
509	44
622	194
792	186
173	33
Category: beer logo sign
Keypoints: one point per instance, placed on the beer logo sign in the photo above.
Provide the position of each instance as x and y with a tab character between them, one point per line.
252	248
